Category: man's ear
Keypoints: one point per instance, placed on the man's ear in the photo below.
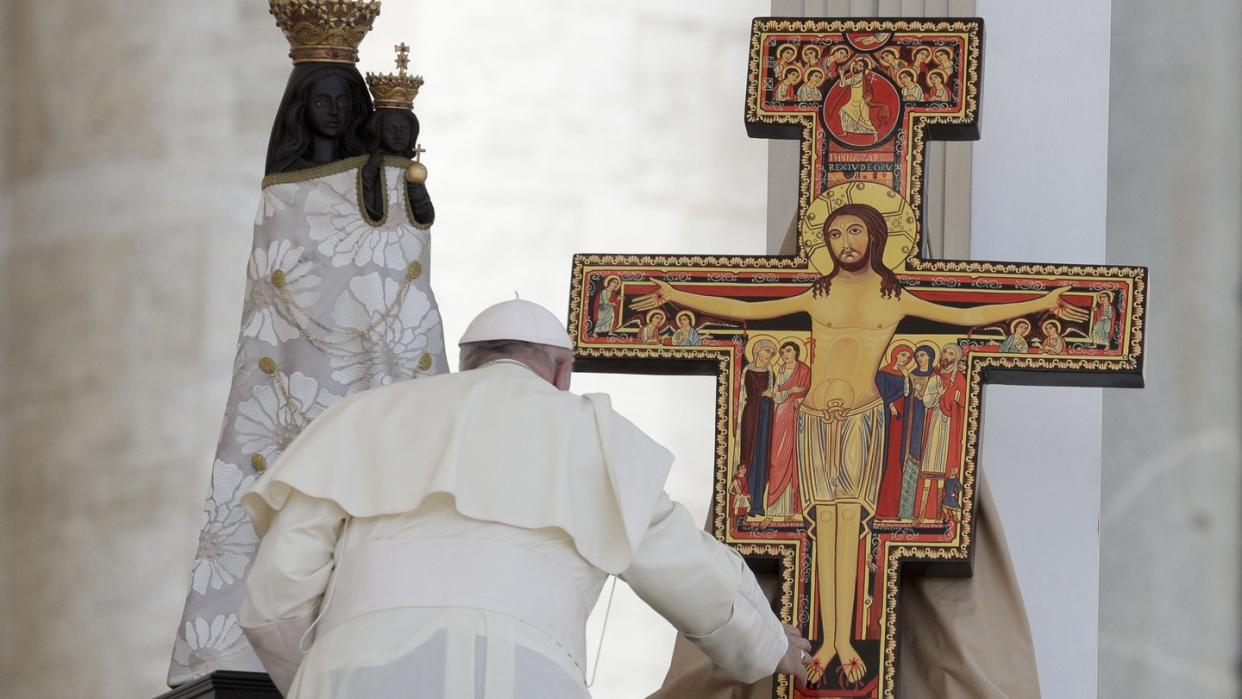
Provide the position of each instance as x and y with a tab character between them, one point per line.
564	373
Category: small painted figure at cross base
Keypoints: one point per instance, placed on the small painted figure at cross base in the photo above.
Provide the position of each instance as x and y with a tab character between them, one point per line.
393	131
740	491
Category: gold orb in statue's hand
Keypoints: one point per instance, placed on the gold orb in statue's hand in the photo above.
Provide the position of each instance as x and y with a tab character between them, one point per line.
416	173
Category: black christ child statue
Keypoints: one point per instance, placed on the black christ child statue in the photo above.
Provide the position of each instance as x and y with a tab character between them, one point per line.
393	132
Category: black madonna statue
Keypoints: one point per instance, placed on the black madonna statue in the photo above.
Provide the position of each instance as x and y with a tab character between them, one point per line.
338	296
322	118
393	131
323	115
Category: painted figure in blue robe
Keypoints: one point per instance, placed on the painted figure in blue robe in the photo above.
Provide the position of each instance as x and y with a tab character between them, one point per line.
1017	341
912	440
685	334
893	384
757	411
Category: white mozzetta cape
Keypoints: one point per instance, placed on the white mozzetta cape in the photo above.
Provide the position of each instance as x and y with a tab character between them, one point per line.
384	451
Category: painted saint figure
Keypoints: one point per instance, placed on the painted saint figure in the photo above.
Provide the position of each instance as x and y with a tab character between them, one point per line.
835	61
651	332
608	306
922	60
890	59
786	56
893	383
854	311
810	56
757	412
1053	341
1102	318
945	403
856	113
686	335
811	90
911	91
915	428
793	379
787	88
1016	341
936	91
740	491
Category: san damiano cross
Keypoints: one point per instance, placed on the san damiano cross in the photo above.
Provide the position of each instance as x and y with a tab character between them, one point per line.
850	374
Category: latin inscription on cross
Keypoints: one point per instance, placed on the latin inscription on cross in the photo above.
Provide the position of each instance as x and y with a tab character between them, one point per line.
850	374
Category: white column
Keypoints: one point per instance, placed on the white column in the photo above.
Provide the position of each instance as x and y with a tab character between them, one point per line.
132	190
1169	605
1040	187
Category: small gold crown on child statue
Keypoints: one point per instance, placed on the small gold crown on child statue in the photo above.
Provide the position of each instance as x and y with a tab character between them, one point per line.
325	31
395	91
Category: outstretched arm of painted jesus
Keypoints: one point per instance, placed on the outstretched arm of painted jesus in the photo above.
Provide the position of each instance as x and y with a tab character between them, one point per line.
723	307
912	305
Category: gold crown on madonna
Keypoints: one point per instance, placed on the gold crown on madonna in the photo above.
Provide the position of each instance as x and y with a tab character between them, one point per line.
395	91
325	31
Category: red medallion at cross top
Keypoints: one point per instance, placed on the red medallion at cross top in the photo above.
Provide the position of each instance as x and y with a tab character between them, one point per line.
862	107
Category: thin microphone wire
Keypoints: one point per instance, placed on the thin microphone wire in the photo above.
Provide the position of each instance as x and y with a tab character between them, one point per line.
599	649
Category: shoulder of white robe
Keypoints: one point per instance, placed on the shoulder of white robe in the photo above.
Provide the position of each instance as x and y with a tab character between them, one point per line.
637	467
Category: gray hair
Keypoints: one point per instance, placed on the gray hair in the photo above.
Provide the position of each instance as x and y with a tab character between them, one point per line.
545	358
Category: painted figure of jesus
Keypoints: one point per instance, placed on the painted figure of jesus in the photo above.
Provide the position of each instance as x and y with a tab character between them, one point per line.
854	309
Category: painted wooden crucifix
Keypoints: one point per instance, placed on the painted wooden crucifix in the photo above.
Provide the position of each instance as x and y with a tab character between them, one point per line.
850	374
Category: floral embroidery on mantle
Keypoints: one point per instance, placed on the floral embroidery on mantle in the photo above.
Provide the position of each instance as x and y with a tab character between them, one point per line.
334	304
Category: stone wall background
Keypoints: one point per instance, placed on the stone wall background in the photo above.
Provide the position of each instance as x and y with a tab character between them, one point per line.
134	142
1169	527
131	161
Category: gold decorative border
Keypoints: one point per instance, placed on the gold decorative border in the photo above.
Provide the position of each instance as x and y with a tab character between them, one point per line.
345	165
787	553
314	173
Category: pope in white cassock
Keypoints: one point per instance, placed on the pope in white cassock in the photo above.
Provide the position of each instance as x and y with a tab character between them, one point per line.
447	537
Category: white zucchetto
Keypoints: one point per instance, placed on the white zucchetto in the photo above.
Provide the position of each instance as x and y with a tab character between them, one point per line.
520	320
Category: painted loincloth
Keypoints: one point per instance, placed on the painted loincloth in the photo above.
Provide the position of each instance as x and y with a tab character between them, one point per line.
841	454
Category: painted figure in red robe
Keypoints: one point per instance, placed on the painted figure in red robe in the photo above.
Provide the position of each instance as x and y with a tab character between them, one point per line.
945	402
793	380
893	382
856	106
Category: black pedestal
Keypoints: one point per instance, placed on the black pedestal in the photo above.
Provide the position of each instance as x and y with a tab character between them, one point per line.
226	684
